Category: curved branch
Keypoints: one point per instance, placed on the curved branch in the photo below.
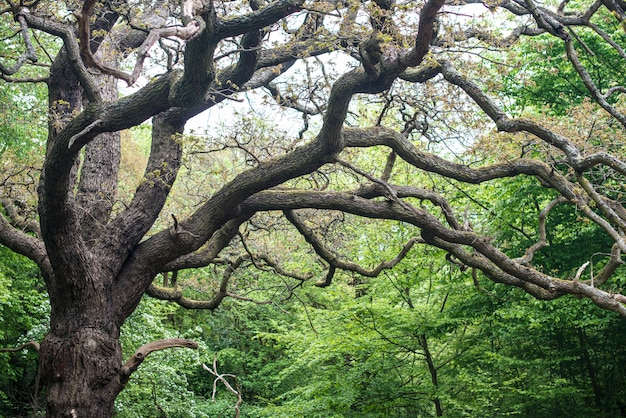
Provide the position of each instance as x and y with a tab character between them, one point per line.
503	122
424	33
381	188
258	19
28	55
19	220
530	252
610	211
607	159
24	244
176	295
145	350
584	75
367	137
32	343
609	268
70	43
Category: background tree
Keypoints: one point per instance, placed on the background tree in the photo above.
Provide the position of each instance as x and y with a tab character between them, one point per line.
402	159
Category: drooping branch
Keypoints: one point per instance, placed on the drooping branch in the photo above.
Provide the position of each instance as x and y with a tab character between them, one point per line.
402	192
333	259
497	265
604	158
552	289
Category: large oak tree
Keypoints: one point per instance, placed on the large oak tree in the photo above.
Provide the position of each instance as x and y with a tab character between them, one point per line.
418	59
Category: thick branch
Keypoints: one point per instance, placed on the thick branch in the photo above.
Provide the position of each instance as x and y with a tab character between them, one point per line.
257	19
150	196
424	33
24	244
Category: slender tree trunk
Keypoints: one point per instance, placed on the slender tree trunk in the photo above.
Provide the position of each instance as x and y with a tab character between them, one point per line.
423	340
586	358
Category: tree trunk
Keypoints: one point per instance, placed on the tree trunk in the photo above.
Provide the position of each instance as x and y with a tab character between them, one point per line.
81	357
423	341
80	370
586	358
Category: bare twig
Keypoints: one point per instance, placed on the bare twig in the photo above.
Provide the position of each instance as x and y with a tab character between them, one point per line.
221	377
